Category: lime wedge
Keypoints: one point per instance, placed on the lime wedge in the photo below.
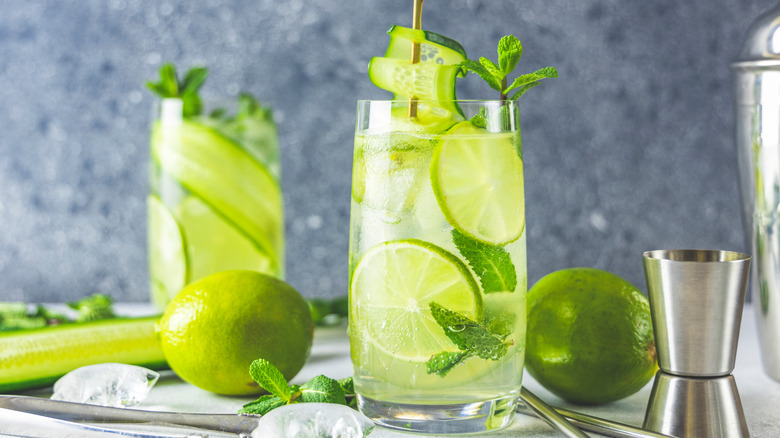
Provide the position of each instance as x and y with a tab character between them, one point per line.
167	260
391	289
214	244
222	174
477	177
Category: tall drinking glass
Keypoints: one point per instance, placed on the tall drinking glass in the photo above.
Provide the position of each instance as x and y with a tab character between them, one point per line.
215	200
437	264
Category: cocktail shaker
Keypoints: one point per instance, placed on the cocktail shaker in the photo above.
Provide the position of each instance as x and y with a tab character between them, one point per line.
757	92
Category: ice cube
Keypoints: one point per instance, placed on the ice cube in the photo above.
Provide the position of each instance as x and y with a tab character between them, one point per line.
314	420
108	384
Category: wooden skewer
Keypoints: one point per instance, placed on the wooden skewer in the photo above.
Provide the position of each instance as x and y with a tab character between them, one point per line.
417	25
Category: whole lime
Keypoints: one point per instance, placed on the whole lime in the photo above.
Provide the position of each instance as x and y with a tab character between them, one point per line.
590	336
215	327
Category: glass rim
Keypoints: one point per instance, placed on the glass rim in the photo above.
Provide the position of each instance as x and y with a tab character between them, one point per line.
406	101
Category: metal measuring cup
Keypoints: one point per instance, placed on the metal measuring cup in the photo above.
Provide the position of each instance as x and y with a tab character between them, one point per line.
696	301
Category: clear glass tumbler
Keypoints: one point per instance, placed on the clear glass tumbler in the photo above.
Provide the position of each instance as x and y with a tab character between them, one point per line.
215	200
437	264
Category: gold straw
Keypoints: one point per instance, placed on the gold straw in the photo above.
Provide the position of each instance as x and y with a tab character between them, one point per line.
417	25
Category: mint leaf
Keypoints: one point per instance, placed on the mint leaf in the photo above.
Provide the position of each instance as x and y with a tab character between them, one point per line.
530	80
469	336
442	363
168	86
270	379
93	308
193	80
493	69
321	389
348	385
263	405
509	52
492	264
479	120
13	316
186	89
483	72
250	107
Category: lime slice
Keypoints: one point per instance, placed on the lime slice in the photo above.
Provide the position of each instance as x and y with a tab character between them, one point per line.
167	260
477	177
434	48
214	244
391	289
221	173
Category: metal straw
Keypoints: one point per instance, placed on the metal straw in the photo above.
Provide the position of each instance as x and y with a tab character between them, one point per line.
417	25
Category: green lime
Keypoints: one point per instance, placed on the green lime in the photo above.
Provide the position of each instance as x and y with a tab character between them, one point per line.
391	289
590	336
215	244
477	177
221	173
167	260
215	327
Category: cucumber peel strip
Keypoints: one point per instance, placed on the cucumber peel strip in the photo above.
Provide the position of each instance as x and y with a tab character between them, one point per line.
38	357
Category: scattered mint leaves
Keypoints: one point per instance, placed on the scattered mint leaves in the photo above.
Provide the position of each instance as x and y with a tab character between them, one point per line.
471	338
263	405
328	312
492	264
17	316
510	50
443	362
93	308
270	378
169	86
319	389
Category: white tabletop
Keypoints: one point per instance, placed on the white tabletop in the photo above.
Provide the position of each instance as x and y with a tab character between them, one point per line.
330	356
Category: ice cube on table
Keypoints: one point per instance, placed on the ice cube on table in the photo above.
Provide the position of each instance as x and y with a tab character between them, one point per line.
108	384
313	420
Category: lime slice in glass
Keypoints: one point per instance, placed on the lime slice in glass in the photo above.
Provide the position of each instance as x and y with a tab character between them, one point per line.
167	260
391	290
226	177
477	177
214	244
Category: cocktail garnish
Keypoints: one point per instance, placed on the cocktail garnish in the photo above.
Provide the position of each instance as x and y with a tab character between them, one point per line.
471	338
187	88
509	52
319	389
491	263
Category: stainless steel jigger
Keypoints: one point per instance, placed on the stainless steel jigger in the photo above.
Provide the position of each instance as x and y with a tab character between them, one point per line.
696	300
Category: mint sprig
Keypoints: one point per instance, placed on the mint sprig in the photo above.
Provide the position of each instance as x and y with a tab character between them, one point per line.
16	316
472	339
492	263
319	389
510	50
186	88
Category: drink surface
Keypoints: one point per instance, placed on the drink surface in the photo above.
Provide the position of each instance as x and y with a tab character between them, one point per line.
215	200
415	229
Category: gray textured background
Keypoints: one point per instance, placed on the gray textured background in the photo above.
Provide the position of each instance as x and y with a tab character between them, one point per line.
630	149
